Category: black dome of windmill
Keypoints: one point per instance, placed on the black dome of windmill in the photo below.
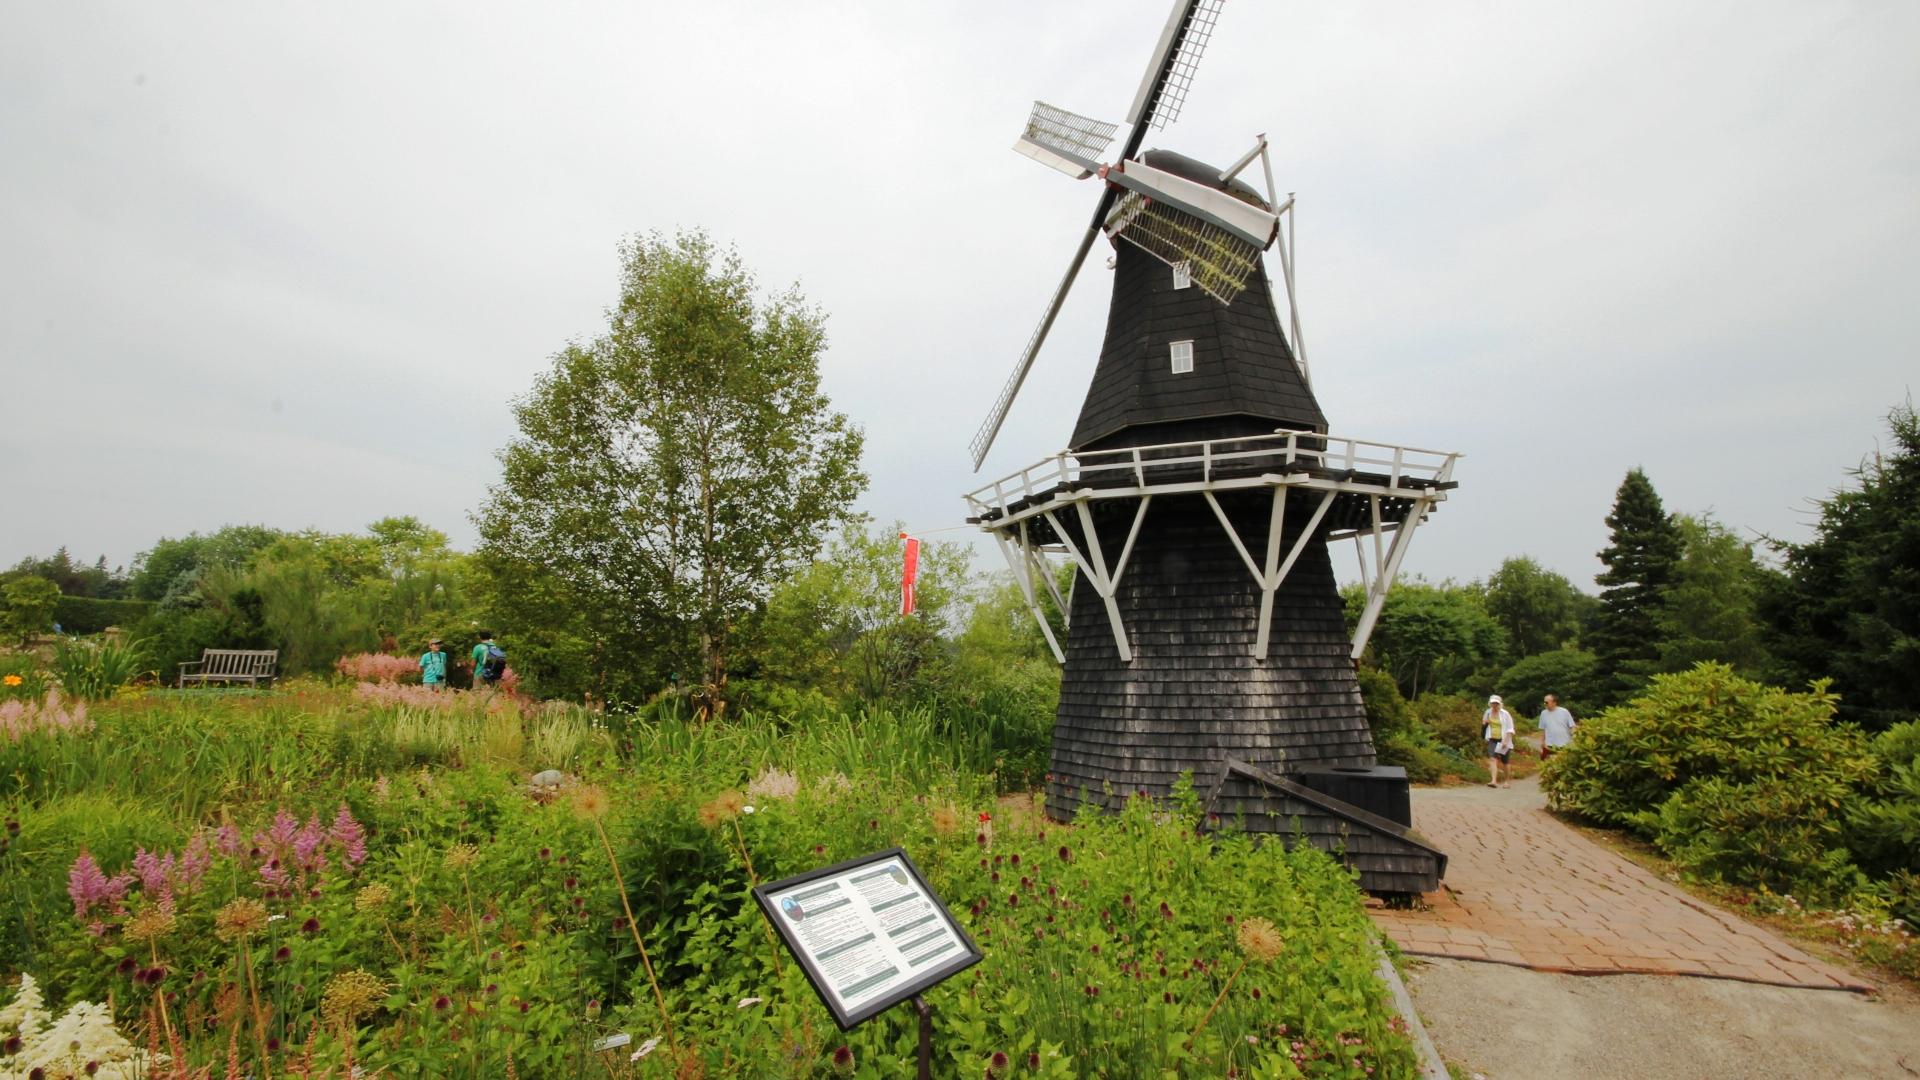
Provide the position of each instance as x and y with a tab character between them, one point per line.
1196	497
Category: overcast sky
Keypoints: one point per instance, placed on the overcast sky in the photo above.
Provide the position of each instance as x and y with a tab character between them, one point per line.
288	263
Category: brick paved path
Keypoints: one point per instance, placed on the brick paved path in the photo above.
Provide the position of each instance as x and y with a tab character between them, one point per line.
1523	889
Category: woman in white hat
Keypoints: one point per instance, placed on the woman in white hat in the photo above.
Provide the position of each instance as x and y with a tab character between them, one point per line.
1496	726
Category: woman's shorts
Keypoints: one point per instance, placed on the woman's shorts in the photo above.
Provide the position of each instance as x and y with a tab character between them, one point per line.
1494	749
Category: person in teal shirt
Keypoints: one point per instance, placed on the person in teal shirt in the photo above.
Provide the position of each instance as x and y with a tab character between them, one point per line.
481	677
433	666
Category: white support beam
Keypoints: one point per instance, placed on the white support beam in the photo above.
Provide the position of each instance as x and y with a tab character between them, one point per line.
1270	581
1022	568
1275	572
1060	603
1093	568
1277	575
1384	577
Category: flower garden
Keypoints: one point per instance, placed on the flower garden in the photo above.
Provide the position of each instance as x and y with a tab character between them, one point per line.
333	879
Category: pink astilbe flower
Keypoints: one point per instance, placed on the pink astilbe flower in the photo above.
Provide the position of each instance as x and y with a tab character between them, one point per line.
307	856
195	860
18	719
273	876
227	840
378	668
88	885
280	835
350	835
154	872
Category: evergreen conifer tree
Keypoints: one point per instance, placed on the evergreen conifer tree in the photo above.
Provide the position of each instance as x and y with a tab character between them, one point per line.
1640	564
1848	605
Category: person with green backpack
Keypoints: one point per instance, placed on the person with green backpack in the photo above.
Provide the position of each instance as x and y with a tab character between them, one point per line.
489	661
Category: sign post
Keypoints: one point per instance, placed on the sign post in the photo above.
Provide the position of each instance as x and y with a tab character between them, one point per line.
869	933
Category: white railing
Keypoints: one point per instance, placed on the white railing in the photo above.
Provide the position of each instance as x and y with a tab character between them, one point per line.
1173	463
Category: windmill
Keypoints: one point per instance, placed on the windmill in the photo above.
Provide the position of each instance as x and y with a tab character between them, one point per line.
1197	497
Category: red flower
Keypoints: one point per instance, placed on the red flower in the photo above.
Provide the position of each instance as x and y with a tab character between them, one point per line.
984	816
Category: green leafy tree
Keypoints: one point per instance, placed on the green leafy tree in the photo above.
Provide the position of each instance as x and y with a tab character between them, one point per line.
1640	566
676	468
836	625
1710	611
1433	637
1539	609
1848	605
29	606
171	566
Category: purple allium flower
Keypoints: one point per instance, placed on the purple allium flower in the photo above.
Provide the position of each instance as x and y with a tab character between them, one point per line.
283	954
126	966
546	853
523	1006
569	884
1066	853
1013	899
349	835
311	926
843	1060
1033	1059
11	1046
273	1044
442	1003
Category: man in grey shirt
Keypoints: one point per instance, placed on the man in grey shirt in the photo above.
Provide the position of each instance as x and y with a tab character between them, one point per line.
1556	728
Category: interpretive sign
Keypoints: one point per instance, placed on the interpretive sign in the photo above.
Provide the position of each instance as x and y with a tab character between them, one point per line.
869	933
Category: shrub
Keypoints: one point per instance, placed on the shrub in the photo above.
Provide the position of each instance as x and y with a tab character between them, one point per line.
1570	674
1738	781
1454	722
1387	711
1885	827
96	670
27	607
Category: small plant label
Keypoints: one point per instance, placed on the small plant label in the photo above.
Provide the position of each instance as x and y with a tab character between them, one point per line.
869	932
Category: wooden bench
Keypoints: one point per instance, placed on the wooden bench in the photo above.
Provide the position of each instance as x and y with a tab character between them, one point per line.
254	666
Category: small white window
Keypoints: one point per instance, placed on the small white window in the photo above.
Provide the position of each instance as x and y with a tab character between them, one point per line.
1182	352
1182	275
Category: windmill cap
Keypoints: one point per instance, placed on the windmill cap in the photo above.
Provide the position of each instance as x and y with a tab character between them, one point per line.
1202	173
1494	700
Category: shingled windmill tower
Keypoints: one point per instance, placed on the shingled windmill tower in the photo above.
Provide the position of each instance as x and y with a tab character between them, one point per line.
1198	495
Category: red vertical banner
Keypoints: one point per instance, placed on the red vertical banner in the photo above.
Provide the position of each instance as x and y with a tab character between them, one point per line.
909	573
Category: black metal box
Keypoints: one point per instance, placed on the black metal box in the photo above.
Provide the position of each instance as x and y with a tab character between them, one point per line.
1379	789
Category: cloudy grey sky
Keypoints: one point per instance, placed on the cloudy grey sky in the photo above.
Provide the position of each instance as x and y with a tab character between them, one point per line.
288	263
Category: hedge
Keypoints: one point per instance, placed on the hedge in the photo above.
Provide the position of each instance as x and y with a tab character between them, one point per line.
85	615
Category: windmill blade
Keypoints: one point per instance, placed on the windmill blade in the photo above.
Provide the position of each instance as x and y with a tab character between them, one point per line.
1170	72
990	427
1065	141
1217	236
